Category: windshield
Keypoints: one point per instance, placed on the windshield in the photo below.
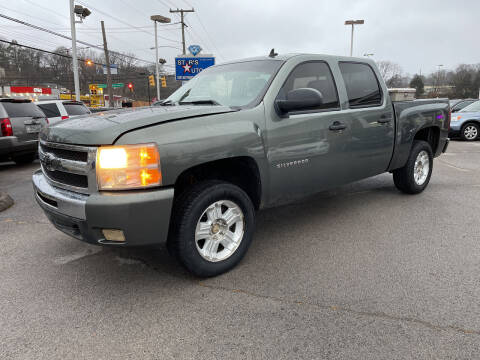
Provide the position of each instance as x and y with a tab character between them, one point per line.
472	107
234	85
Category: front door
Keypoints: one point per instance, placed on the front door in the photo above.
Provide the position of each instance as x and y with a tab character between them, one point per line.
308	150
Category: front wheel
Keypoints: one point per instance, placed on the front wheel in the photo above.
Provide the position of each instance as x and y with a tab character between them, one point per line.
470	132
414	177
212	227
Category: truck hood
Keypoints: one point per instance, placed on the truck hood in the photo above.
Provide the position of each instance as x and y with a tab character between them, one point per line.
105	127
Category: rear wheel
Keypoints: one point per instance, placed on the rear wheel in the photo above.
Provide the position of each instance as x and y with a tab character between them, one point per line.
24	159
470	132
414	177
212	227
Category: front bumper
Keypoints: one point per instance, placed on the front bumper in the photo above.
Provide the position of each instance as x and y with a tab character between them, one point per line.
143	216
454	129
10	145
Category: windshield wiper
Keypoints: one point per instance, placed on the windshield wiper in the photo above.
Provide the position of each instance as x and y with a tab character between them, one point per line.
167	103
200	102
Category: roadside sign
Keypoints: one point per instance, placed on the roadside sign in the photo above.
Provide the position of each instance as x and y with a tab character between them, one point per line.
101	86
186	67
113	69
117	85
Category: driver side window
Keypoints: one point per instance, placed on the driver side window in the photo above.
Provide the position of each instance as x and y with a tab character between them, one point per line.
316	75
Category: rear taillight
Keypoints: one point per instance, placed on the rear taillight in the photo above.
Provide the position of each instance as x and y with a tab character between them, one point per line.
449	118
64	117
6	127
46	119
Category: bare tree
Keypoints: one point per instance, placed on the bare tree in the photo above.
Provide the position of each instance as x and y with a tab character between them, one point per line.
391	72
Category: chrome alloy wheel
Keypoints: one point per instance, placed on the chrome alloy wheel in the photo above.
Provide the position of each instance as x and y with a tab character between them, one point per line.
470	132
422	168
219	230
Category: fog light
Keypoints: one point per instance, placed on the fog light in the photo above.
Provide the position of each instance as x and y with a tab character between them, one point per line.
113	235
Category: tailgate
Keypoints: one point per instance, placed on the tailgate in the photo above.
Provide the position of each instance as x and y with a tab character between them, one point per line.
26	128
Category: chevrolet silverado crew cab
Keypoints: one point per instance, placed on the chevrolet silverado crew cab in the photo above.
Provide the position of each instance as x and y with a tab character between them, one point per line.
238	137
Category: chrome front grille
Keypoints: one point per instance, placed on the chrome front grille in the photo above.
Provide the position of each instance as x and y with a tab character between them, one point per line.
70	167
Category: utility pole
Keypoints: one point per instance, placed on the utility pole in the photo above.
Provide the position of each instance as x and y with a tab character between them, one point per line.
182	11
353	23
107	61
74	51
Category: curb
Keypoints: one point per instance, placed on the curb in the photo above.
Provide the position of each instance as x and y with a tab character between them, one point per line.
5	201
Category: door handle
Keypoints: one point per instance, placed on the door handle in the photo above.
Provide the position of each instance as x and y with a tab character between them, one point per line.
337	125
385	118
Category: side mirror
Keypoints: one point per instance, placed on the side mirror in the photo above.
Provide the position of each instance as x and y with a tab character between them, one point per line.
300	99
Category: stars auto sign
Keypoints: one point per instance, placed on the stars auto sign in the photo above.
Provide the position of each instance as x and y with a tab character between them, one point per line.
186	67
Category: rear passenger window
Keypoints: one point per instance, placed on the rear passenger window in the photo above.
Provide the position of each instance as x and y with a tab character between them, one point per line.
316	75
50	110
362	85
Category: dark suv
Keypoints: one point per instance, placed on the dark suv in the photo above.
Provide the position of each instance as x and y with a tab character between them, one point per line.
20	122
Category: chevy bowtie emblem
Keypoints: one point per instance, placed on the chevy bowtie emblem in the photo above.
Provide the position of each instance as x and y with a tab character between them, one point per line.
50	162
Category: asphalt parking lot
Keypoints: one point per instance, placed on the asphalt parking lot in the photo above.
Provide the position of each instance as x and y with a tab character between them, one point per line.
363	272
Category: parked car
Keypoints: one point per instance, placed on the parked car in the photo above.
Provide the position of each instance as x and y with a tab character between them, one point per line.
466	122
20	123
238	137
459	105
57	110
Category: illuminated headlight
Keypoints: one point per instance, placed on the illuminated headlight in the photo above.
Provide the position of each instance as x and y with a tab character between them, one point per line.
128	167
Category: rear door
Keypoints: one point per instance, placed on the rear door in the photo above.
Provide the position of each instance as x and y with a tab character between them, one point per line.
371	120
26	118
51	111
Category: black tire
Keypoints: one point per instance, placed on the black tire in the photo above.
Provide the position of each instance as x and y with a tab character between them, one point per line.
188	209
24	159
471	135
404	178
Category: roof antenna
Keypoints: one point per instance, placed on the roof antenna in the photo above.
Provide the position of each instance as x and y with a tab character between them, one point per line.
272	53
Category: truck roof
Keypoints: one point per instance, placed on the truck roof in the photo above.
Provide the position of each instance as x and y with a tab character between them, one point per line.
288	56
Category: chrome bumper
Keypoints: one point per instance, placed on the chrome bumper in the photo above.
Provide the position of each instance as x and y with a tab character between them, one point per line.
58	200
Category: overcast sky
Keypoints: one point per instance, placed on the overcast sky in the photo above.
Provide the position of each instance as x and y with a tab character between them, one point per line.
418	35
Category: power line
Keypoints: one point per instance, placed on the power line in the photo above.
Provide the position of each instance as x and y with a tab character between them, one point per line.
45	51
205	30
124	22
68	37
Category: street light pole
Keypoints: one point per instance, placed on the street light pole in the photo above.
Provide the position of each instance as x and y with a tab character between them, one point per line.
164	20
74	52
353	23
156	63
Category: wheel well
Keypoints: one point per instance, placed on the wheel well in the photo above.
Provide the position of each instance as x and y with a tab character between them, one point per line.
241	171
431	135
474	121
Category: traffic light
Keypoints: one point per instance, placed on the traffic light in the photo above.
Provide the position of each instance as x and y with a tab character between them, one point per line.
164	81
151	80
130	86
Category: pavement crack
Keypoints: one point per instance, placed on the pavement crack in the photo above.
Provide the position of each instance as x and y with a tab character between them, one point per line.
453	166
341	309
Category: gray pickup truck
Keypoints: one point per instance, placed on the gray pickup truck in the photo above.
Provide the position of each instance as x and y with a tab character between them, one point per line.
238	137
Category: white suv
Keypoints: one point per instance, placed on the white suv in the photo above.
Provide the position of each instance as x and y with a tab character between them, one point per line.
57	110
